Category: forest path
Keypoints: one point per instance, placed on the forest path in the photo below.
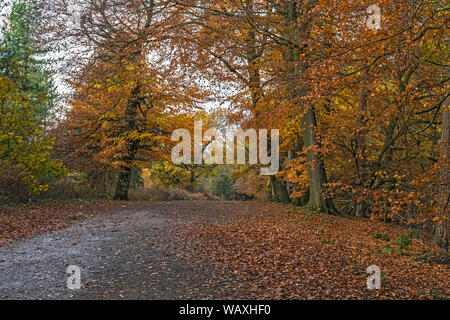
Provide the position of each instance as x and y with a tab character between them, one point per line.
127	253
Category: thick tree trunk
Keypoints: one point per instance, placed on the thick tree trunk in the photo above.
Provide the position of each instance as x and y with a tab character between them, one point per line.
360	209
441	229
124	179
273	195
123	184
294	67
192	178
316	170
131	147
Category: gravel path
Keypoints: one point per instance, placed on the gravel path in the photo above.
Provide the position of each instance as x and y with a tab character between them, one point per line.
127	253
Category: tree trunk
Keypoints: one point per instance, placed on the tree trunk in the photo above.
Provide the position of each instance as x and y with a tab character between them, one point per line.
270	192
441	229
191	180
280	191
360	158
360	209
131	147
123	184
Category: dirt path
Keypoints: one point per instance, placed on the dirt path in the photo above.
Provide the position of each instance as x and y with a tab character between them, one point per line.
218	250
127	253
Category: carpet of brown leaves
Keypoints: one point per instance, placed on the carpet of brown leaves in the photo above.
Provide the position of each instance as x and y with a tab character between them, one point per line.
29	220
279	252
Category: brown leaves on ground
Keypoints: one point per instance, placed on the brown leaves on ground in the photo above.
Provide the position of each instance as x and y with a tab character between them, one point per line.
28	220
278	252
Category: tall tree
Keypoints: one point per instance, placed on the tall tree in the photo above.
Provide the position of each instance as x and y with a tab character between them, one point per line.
33	68
25	148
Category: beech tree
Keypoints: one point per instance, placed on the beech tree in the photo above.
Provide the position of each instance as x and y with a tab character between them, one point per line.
124	85
359	108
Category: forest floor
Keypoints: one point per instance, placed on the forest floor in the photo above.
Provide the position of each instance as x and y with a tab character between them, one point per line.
210	250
